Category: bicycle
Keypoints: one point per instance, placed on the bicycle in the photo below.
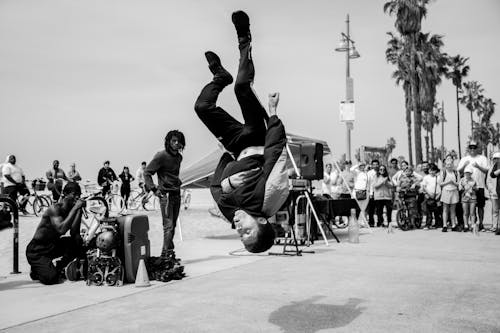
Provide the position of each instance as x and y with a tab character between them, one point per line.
406	210
95	210
141	198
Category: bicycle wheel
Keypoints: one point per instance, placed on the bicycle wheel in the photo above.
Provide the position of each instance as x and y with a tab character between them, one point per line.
116	204
29	206
39	205
97	208
135	199
402	220
151	203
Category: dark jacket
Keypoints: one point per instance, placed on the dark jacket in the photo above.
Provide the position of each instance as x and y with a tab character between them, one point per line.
106	175
166	165
263	191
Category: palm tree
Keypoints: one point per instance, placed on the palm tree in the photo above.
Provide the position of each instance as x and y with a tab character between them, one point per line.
472	98
458	70
409	15
431	66
397	55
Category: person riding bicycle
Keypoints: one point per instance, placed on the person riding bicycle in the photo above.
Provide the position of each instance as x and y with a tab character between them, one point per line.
408	188
55	176
105	178
50	242
13	179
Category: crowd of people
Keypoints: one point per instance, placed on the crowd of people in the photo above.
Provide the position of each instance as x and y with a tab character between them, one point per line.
452	198
13	179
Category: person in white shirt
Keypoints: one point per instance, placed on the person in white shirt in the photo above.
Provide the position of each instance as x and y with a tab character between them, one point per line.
326	184
372	175
480	166
139	175
432	193
13	179
361	188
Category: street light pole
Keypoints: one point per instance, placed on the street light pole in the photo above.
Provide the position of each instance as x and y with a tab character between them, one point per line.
347	46
348	125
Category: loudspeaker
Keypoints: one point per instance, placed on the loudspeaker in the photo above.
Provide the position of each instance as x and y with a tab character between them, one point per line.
136	243
311	161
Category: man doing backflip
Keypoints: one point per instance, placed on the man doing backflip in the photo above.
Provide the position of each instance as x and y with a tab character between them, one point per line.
250	182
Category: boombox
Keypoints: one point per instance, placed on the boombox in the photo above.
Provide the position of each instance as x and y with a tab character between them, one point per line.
104	269
309	159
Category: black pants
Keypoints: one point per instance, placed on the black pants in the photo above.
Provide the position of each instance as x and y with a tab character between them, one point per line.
380	204
125	193
433	211
371	212
170	204
40	256
14	191
234	135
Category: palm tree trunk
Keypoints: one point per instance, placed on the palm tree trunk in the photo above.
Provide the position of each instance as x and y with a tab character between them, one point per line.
471	125
458	126
432	144
417	115
408	128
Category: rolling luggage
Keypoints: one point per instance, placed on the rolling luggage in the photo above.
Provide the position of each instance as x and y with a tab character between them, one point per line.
134	232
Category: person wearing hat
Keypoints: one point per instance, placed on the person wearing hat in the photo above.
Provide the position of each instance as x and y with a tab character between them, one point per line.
480	166
468	186
493	186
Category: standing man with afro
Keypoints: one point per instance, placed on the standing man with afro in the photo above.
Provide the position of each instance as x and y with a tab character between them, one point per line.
166	165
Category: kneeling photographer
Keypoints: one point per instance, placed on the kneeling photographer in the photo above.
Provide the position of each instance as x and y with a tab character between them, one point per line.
50	242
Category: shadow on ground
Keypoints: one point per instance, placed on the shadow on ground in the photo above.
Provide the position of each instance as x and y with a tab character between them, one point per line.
18	284
309	317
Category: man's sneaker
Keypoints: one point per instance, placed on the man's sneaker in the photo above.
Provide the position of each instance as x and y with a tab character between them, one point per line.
241	22
425	228
75	270
221	76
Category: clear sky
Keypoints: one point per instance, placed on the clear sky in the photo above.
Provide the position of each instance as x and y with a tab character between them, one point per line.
87	81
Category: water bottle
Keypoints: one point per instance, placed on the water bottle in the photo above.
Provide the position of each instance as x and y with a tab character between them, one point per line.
353	228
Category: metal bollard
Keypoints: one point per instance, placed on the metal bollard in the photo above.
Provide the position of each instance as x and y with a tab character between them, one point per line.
15	240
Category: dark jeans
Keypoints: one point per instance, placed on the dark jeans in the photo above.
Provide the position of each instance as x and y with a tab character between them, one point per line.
380	204
234	135
371	212
125	193
170	205
105	190
14	191
433	211
40	256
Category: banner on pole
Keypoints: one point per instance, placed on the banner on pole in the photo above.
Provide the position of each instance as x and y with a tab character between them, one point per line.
347	111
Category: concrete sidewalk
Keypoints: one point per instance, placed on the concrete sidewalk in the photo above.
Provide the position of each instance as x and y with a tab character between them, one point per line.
417	281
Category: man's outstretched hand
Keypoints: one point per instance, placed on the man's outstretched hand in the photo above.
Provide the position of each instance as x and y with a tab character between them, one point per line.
274	98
